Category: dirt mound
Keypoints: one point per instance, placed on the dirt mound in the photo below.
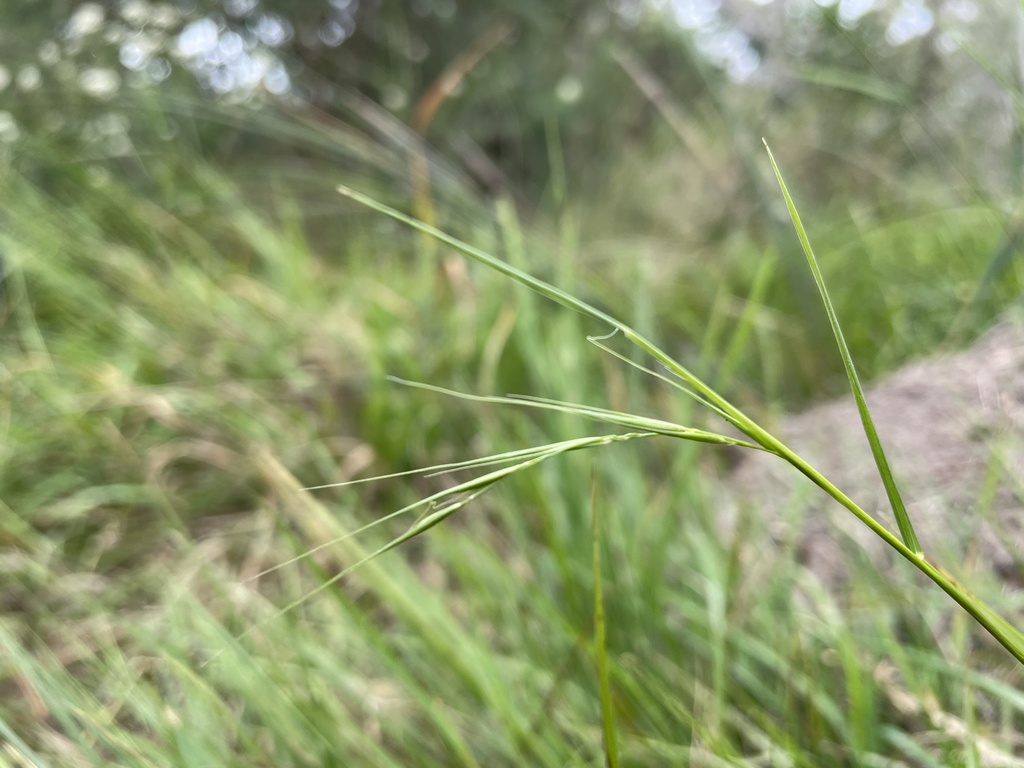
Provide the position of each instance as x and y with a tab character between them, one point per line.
953	428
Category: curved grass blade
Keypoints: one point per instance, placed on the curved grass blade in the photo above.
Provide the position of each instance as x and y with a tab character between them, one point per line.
740	419
891	490
439	507
597	341
618	418
440	469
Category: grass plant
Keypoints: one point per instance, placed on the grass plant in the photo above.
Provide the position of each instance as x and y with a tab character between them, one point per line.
909	547
179	361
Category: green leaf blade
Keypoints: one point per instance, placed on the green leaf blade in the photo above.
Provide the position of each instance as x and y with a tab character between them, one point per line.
610	736
881	462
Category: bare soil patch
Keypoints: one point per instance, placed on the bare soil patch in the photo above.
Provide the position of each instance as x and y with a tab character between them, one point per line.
953	428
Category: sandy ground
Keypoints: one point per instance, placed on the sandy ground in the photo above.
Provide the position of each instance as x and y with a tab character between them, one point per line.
953	428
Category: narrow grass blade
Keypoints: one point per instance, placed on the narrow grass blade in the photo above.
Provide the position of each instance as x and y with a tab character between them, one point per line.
541	287
437	508
748	318
19	749
618	418
439	469
854	83
462	493
597	341
430	503
734	414
611	745
895	500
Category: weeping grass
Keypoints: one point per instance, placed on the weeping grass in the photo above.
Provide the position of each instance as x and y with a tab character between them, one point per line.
170	388
909	547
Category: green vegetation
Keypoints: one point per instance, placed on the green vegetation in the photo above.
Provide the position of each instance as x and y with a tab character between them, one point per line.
193	332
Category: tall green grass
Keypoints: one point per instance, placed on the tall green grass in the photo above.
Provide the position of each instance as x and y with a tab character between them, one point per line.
909	547
179	363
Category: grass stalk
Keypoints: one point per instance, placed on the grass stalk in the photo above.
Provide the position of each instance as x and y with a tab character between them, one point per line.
1007	635
610	737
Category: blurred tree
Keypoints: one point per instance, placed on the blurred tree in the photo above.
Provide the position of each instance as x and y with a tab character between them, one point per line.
485	81
885	86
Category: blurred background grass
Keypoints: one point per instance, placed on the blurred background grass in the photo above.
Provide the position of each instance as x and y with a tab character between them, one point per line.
195	326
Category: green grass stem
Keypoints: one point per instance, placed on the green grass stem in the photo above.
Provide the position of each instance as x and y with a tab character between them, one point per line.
1008	636
610	740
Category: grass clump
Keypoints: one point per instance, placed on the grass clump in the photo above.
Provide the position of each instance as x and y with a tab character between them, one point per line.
164	416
